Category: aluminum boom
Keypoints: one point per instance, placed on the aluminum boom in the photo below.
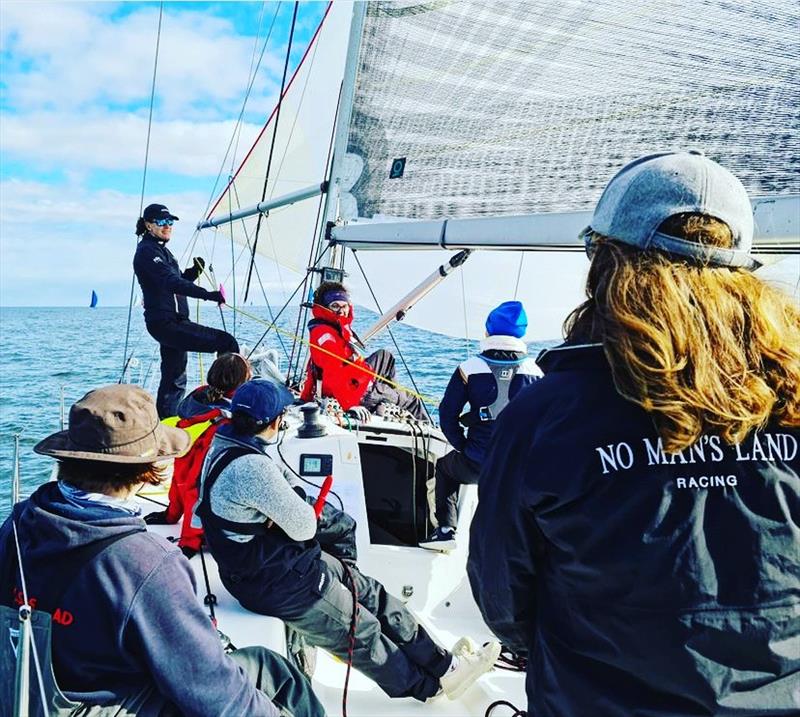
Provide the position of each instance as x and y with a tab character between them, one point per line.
313	191
777	231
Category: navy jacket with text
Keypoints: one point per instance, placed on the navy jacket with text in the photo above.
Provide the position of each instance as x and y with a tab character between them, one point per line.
164	286
637	582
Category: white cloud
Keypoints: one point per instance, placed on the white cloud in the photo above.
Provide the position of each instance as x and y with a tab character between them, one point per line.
59	240
117	142
70	56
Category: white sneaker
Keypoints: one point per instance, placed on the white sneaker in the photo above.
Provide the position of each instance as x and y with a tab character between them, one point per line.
464	646
470	667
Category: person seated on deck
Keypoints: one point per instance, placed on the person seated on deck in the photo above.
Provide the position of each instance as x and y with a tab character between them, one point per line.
487	382
354	381
129	635
638	537
263	535
202	411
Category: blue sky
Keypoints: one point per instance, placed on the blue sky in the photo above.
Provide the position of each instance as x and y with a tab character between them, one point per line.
75	82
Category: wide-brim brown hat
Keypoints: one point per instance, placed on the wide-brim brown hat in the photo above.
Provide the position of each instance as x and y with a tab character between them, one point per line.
116	424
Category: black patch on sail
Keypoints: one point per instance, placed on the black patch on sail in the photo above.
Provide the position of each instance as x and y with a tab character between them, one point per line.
398	167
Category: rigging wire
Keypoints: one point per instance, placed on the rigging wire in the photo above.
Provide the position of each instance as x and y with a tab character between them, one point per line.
251	77
519	273
345	362
258	276
233	254
285	306
125	358
272	144
26	612
232	190
466	319
237	126
399	352
231	187
302	314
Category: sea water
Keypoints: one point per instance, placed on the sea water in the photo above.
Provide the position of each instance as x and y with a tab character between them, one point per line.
50	353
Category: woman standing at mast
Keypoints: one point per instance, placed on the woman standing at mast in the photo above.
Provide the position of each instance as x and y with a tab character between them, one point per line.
166	311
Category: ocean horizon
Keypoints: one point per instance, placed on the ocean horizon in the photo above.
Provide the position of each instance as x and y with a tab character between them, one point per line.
55	351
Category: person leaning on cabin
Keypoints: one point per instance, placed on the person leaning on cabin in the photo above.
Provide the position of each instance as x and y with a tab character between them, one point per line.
203	411
263	535
638	539
166	311
125	614
354	381
487	382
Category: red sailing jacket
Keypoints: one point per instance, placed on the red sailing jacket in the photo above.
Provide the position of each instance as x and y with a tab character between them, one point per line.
330	336
186	477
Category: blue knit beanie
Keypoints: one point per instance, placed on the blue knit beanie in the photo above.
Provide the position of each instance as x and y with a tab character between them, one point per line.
508	319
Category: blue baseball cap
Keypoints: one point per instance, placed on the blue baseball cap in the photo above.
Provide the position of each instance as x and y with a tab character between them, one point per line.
262	399
508	319
651	189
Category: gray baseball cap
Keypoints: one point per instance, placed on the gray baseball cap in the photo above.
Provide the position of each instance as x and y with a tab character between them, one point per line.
651	189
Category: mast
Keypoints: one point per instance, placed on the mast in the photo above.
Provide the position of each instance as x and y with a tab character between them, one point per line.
331	208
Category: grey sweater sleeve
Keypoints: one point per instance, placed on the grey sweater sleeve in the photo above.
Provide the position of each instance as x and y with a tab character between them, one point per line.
253	489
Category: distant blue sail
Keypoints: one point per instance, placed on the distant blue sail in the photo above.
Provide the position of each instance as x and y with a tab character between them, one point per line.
94	299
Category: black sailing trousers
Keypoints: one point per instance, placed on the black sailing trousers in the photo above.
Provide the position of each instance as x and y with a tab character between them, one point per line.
452	471
382	362
177	337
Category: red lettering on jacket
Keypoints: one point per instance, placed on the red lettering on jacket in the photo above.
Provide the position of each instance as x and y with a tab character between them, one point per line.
60	616
63	617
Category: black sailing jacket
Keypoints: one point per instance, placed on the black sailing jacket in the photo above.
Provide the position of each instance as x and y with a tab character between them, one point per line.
638	583
164	287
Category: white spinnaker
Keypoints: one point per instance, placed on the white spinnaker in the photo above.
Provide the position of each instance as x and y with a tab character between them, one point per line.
301	149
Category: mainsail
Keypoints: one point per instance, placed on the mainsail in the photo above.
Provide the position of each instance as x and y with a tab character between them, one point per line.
496	125
469	109
519	108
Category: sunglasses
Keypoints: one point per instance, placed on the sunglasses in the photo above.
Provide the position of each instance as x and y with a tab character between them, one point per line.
163	222
338	306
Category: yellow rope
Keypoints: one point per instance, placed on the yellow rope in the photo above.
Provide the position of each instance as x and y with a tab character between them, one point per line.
394	384
360	367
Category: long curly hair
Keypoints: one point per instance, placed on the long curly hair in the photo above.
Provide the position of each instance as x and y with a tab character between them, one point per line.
702	349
